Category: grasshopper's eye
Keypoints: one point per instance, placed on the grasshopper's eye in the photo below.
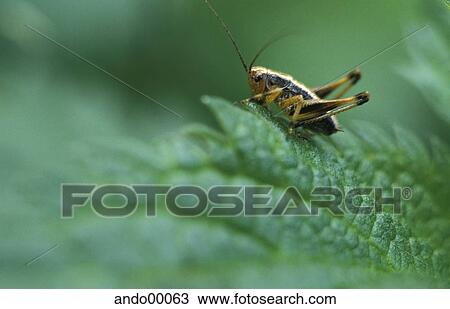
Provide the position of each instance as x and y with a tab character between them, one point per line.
257	78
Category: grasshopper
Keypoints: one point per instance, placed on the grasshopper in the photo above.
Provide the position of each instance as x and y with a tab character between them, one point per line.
304	107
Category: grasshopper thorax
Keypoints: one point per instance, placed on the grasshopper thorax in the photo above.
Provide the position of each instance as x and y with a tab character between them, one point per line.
262	80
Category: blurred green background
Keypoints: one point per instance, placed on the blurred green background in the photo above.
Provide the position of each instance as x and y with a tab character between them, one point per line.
174	51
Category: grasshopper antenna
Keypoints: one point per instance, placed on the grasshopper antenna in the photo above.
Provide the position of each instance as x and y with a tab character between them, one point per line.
236	47
276	38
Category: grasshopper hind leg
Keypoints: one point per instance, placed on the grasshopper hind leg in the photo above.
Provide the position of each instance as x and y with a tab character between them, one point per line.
323	119
350	79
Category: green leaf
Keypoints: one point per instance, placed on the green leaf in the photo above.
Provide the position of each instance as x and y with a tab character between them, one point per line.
321	251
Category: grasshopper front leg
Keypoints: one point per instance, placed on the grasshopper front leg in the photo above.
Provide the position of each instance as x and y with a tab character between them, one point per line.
264	98
272	95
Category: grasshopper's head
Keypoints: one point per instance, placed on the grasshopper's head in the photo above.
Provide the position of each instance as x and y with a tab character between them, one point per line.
257	79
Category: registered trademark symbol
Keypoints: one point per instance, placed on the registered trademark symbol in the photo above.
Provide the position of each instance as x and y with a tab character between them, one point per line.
406	193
